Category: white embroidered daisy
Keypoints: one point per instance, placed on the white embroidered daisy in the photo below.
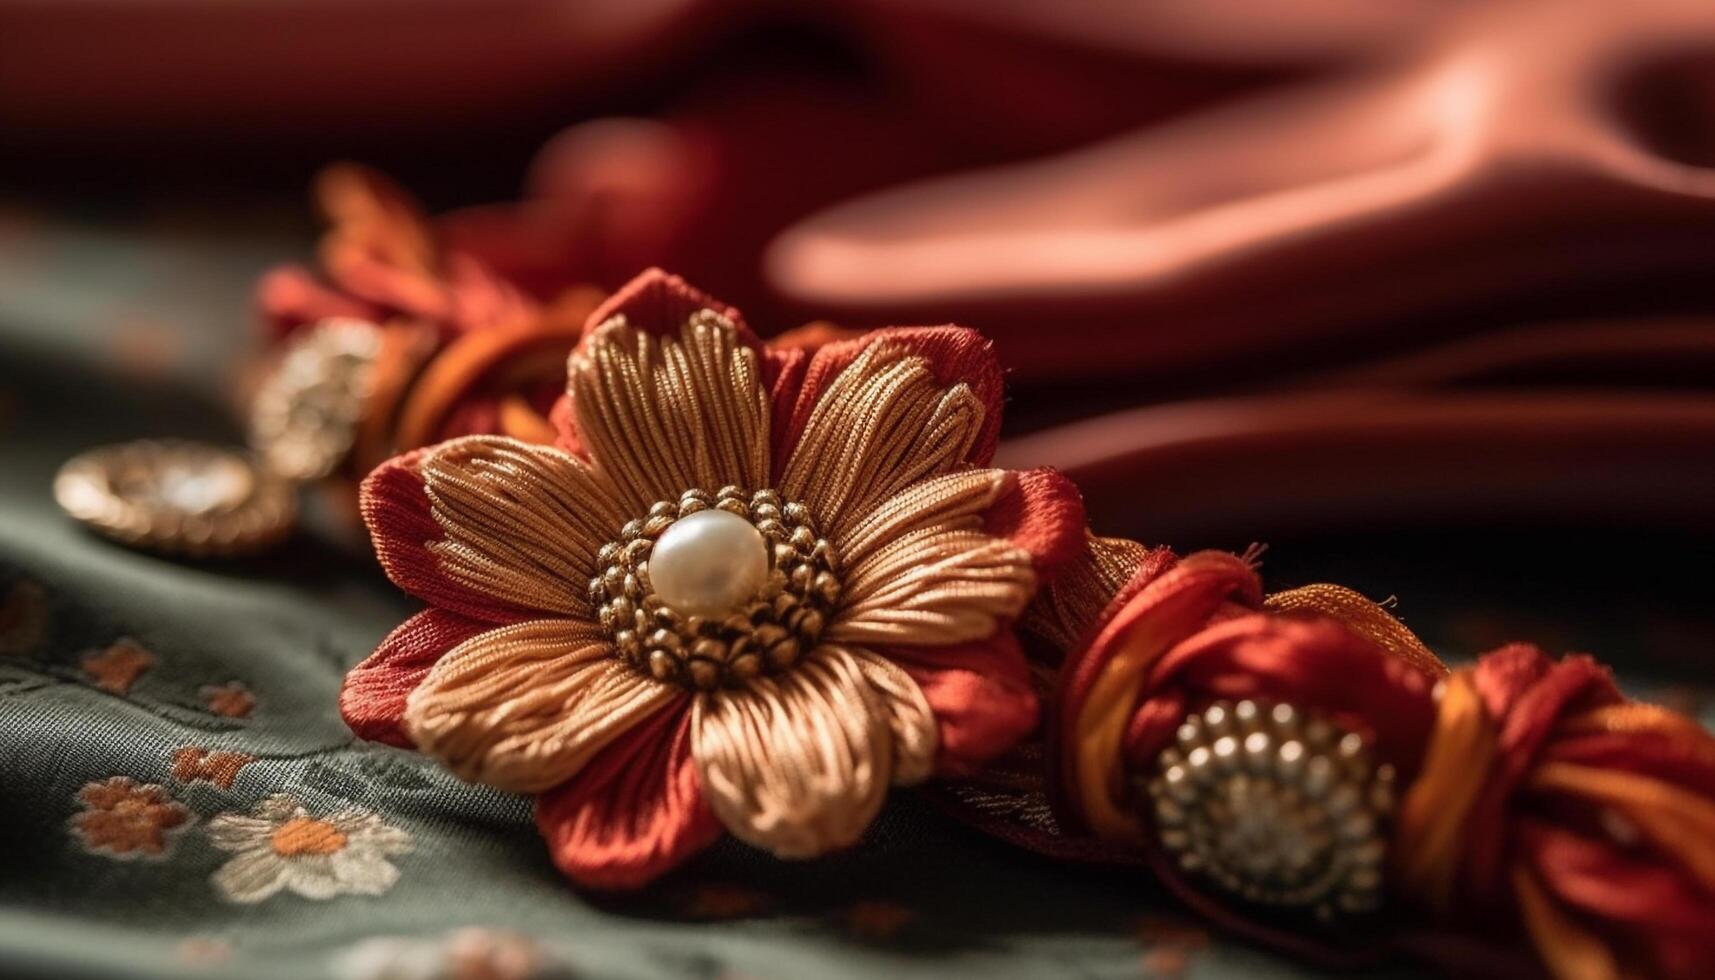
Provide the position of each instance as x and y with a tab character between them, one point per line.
280	846
465	953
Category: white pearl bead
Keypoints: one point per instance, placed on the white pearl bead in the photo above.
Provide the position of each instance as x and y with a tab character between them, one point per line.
708	563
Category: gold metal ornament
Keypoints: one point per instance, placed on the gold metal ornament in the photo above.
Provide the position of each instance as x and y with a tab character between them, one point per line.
1275	806
766	634
304	418
177	497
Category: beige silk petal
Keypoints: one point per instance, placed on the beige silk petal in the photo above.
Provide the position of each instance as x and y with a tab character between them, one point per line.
942	582
916	734
954	499
524	707
522	522
662	415
797	764
883	424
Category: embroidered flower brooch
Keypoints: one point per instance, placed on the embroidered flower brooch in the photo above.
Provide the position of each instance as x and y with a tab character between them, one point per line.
749	589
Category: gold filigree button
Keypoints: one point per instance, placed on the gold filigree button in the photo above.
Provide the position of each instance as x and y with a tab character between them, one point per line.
177	497
1276	806
305	416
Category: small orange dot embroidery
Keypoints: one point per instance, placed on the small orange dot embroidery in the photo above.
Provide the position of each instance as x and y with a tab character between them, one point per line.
193	763
303	835
232	700
117	667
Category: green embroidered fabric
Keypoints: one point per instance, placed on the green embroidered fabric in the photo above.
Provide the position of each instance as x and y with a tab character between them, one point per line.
116	332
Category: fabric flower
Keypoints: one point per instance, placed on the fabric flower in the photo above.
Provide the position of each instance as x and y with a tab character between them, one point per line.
382	261
454	348
125	819
280	846
750	589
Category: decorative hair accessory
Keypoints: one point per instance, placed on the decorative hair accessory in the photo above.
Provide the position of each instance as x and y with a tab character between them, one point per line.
1301	768
398	343
450	347
750	588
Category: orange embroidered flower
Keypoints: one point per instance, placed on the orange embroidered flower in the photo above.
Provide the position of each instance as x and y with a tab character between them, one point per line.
126	819
751	588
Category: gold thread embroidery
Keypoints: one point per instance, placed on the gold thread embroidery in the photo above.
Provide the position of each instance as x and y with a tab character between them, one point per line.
524	707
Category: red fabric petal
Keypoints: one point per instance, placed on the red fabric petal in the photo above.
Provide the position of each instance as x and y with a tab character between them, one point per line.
658	302
374	279
981	695
372	701
292	296
1043	513
783	370
395	508
564	421
954	353
635	812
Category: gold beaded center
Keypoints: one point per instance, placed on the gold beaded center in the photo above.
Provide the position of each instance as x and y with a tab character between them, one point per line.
765	635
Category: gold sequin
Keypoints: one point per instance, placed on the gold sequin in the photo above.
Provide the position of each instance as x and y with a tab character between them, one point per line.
304	419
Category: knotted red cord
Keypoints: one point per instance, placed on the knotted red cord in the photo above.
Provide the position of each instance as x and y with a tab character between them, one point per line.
1536	797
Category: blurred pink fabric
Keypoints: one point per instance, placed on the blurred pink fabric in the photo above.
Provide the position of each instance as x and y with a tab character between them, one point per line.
1485	227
